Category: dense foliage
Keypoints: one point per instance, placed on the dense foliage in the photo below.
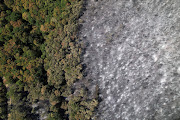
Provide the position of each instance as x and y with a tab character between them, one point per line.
40	60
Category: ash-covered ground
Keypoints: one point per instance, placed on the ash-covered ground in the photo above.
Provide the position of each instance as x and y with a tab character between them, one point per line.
133	54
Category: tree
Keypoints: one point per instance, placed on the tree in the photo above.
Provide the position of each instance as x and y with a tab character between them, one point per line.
9	3
15	16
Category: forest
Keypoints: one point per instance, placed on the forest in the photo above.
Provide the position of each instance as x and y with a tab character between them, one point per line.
40	60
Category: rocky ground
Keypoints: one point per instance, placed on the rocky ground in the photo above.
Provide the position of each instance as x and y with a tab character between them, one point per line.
133	54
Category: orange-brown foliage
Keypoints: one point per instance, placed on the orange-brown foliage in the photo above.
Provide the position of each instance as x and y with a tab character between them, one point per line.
16	23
